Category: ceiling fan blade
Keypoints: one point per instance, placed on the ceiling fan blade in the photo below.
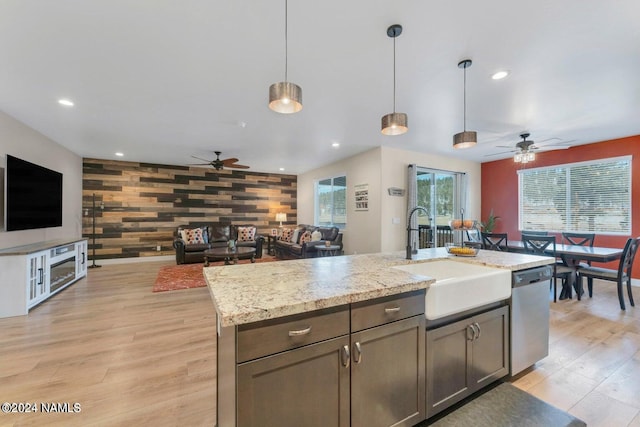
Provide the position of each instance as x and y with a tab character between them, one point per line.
204	160
502	152
235	166
229	161
199	164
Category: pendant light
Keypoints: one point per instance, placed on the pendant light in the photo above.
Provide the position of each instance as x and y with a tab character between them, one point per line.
394	123
285	97
465	139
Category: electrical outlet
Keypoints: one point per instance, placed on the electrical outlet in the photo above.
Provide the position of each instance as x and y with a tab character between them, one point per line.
158	248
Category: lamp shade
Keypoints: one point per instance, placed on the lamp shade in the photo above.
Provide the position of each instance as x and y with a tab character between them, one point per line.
465	139
285	98
394	124
282	217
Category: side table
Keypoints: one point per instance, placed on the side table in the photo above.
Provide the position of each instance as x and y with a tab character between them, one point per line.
331	250
271	244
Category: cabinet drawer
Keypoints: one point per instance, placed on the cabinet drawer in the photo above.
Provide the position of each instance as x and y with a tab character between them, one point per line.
368	314
273	336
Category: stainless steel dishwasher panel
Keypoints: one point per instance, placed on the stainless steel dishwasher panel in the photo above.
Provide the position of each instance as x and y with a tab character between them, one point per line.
529	317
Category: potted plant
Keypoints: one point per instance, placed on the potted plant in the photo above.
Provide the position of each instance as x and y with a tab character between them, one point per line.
488	225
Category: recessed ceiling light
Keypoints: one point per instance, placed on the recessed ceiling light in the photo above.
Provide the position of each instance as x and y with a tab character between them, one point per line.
500	75
335	145
119	154
65	102
281	169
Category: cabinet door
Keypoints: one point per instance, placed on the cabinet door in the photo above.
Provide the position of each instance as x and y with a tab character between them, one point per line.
387	374
448	365
308	386
37	282
81	258
490	347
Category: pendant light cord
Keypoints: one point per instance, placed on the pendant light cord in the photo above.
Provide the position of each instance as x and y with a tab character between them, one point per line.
464	101
394	74
286	39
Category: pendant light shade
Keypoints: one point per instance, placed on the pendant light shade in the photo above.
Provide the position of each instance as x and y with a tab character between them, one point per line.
465	139
285	97
394	123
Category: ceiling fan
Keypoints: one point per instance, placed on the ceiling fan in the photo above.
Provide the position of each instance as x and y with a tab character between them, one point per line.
525	149
220	164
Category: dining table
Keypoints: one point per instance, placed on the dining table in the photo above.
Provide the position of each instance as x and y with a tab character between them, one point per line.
572	255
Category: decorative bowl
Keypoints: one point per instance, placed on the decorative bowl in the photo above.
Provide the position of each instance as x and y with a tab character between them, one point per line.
461	250
459	224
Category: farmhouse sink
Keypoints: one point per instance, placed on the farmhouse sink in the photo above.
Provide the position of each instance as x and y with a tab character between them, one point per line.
460	286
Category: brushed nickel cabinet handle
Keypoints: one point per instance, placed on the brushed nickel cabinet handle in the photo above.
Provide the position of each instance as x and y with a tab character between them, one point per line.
346	357
478	328
392	310
357	352
300	332
471	336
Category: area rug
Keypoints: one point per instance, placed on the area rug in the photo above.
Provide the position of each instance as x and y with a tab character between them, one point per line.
504	406
187	276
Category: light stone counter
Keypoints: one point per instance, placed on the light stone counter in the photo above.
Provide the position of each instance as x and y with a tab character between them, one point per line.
252	292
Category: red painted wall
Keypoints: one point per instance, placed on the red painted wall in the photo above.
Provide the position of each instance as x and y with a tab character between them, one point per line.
500	186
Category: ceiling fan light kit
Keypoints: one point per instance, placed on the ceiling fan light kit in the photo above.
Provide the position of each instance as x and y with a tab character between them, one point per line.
394	123
525	155
465	139
285	97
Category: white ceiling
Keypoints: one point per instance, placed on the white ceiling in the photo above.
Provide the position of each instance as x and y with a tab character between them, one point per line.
161	80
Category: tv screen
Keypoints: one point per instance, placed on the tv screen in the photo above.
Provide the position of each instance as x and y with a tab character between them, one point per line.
33	196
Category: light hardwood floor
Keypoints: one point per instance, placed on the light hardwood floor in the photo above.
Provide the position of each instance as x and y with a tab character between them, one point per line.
132	357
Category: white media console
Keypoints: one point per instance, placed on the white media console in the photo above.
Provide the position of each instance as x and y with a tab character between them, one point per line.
32	273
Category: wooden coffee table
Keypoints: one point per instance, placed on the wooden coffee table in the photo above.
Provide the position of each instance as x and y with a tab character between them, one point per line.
229	255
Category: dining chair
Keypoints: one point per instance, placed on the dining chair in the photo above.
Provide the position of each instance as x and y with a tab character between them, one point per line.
535	233
621	276
495	241
546	246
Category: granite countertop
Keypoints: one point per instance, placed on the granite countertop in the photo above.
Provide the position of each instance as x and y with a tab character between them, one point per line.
253	292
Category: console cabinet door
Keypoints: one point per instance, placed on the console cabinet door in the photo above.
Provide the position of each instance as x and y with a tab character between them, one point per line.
37	280
308	386
387	374
81	258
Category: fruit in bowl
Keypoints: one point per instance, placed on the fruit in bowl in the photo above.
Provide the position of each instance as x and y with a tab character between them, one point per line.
456	223
468	223
462	250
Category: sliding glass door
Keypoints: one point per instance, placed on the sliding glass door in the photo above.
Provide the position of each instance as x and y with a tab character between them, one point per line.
440	192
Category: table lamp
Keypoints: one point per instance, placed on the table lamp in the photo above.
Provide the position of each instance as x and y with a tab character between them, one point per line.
281	216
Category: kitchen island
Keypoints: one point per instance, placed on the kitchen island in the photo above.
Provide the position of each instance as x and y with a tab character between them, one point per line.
294	336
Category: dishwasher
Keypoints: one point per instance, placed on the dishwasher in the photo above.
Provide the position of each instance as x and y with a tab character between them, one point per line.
529	317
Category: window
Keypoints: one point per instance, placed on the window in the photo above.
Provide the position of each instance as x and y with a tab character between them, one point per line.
590	196
331	202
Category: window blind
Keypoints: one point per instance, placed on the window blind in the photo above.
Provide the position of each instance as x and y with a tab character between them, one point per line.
592	196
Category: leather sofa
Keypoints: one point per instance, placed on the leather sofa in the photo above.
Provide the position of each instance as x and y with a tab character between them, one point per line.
217	236
307	249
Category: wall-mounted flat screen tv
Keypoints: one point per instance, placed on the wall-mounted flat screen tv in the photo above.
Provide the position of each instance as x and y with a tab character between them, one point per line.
33	196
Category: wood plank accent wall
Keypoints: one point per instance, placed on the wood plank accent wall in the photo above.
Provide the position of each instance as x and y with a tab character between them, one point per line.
144	203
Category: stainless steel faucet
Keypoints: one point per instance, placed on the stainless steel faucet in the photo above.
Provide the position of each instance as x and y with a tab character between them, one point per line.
412	251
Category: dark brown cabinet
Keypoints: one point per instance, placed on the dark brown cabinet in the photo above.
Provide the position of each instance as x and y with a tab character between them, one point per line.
464	356
308	386
355	365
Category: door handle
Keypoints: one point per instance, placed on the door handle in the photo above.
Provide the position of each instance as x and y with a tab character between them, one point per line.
300	332
391	310
346	357
357	352
41	273
471	328
83	257
477	325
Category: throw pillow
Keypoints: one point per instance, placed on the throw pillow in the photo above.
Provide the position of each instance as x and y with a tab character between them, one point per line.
246	234
287	233
194	236
306	237
296	235
316	236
